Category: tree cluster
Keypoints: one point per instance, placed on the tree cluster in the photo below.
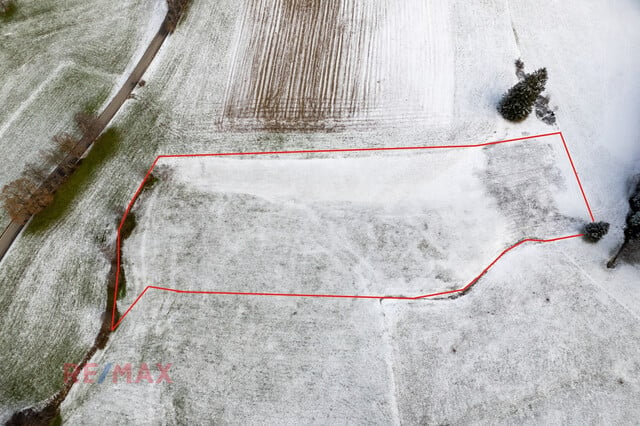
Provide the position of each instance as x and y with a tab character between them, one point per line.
632	231
518	102
632	228
34	190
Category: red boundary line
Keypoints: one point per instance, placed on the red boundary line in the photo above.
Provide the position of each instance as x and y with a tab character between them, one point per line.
114	324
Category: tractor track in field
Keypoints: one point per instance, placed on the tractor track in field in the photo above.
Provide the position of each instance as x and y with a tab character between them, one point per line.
310	65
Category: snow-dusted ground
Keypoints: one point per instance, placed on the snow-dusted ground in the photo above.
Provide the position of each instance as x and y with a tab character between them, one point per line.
355	63
378	225
518	357
55	59
356	224
532	345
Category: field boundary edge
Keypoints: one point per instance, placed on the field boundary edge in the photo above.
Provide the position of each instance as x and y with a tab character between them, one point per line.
115	324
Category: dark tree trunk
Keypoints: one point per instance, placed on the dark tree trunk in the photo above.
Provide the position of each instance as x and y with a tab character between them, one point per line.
612	262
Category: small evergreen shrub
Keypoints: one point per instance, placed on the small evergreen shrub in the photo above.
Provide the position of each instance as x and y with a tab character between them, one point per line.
596	231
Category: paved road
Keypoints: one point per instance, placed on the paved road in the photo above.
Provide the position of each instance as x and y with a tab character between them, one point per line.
13	230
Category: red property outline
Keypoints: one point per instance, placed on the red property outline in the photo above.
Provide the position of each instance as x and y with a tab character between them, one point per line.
115	324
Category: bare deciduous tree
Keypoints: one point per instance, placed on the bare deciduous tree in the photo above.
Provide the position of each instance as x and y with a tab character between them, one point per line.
24	198
175	12
37	172
34	190
67	145
86	123
66	152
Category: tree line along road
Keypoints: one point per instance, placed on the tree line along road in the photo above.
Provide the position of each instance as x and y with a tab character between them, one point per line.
13	230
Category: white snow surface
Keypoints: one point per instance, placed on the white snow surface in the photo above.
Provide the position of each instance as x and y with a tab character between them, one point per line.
300	221
549	336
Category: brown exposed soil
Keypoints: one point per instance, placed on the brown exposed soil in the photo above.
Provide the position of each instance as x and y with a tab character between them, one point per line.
302	64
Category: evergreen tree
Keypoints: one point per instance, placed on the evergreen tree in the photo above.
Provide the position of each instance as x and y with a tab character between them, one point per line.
634	202
633	220
518	102
632	230
633	225
596	231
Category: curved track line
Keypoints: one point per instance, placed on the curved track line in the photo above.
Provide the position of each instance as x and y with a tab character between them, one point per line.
115	324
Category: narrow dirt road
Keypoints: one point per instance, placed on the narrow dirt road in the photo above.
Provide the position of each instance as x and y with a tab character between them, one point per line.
48	413
12	231
8	237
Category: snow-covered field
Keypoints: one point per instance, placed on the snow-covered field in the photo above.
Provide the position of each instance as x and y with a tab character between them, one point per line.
372	225
356	224
548	336
321	65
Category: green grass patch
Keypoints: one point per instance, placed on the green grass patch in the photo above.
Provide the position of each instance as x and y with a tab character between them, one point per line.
57	421
103	149
20	385
93	106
